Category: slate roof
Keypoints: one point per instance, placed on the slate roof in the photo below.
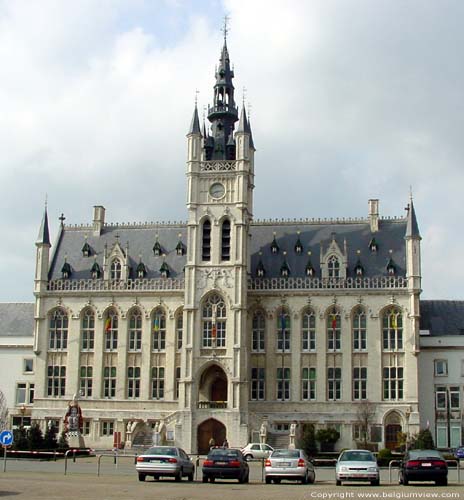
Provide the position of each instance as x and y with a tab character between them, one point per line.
442	317
16	319
357	234
141	239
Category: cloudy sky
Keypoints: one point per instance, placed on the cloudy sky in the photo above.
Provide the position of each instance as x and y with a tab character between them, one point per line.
349	99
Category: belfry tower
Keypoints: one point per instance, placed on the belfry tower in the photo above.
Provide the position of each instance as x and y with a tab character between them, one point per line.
220	172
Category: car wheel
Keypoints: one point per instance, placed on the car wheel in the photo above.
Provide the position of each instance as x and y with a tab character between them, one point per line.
205	479
338	482
247	478
190	476
141	477
405	480
248	457
304	479
178	476
376	482
442	482
212	479
268	480
156	478
277	480
312	479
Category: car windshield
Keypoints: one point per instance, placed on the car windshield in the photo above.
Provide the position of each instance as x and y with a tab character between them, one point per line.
414	454
357	456
285	454
160	450
221	452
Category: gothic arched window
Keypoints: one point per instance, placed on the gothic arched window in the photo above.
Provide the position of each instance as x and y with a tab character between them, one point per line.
115	270
214	316
206	241
334	337
283	331
333	267
308	338
88	330
135	331
258	332
159	330
111	331
359	330
58	331
225	240
392	330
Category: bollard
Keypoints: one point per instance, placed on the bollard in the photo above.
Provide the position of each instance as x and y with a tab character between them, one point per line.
197	466
74	456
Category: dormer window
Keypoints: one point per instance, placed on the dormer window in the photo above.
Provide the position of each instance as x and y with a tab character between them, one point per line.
86	250
260	270
95	272
284	269
333	266
274	246
391	268
373	246
298	246
66	271
310	270
164	270
180	247
358	269
141	270
115	270
157	250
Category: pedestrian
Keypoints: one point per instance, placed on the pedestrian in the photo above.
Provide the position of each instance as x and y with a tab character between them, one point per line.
212	443
225	444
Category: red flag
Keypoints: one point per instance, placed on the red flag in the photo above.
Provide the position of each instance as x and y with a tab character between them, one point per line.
334	321
108	325
213	331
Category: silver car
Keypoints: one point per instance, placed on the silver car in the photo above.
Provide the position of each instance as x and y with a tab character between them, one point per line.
357	465
164	461
256	451
289	464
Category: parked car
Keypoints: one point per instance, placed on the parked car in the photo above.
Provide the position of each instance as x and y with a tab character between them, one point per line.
357	465
164	461
459	453
257	450
225	463
289	464
423	465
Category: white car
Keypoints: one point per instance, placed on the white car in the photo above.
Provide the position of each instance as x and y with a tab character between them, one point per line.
257	451
357	465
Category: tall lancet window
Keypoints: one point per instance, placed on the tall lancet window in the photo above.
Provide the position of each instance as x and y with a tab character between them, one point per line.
206	241
214	322
225	240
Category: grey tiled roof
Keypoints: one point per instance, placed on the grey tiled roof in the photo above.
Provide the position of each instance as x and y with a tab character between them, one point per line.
141	239
16	319
357	234
442	317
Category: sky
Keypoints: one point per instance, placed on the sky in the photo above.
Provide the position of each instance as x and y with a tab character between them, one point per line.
349	100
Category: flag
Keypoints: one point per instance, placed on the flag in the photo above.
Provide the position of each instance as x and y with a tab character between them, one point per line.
393	321
156	324
213	331
108	324
334	321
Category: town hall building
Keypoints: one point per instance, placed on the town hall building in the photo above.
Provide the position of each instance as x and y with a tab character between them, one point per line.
228	326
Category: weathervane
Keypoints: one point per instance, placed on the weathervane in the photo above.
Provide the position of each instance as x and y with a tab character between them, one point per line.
225	29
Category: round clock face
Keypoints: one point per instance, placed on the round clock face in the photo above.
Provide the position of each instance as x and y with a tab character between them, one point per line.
217	190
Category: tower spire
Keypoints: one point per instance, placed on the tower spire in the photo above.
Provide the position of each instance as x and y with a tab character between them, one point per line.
223	113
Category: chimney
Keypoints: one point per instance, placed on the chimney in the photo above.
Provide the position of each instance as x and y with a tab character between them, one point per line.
374	215
98	219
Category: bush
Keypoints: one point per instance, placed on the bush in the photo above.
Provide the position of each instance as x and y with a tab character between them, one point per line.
20	441
327	436
423	441
384	456
63	442
50	442
35	438
308	441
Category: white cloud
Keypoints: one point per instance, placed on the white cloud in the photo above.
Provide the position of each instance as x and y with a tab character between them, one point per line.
350	100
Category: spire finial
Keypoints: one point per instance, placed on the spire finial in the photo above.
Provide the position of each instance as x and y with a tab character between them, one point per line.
225	29
46	201
410	192
244	90
196	96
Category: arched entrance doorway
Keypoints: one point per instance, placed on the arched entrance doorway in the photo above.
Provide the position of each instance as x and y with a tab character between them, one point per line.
212	390
208	429
392	430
